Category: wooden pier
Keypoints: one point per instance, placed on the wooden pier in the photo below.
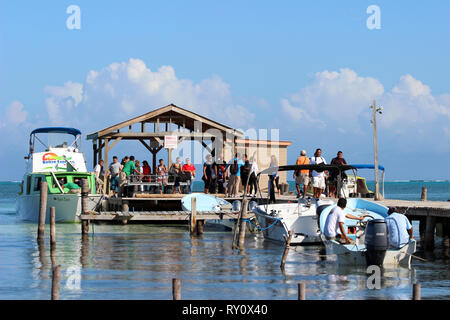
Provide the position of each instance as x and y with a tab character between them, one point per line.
432	216
166	208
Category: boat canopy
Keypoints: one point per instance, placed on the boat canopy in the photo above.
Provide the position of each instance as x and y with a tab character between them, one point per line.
367	166
315	167
72	131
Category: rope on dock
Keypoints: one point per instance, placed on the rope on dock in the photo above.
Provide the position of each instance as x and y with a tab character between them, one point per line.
258	227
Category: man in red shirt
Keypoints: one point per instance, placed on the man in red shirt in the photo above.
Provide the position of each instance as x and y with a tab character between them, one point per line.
189	167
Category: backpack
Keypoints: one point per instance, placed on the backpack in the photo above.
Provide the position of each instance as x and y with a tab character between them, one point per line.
234	168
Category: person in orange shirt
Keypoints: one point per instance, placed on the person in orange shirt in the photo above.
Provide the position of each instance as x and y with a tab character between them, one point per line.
302	176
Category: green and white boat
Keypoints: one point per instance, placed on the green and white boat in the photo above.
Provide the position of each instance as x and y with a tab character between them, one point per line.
62	166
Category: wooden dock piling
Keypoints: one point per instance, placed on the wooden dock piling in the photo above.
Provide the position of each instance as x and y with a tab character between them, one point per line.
243	224
56	276
301	291
176	288
193	217
446	234
286	248
200	224
429	233
423	196
84	205
416	292
52	226
42	209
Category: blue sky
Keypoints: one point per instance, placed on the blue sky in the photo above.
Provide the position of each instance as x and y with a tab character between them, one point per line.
308	68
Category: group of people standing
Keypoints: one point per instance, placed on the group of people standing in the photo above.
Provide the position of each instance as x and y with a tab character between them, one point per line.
227	178
219	176
319	178
130	169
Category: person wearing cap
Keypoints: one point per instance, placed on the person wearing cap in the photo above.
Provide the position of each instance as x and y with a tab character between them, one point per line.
334	224
400	229
302	176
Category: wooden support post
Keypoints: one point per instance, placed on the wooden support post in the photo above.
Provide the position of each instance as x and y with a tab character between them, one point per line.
42	210
429	233
176	289
200	224
84	257
84	205
100	150
446	233
286	248
125	206
95	149
416	291
193	220
52	226
422	225
423	196
301	291
55	282
105	168
243	224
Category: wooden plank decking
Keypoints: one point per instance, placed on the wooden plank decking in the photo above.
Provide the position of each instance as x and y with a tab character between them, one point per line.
157	216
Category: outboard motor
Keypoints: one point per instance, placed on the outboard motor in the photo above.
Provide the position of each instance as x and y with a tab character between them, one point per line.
376	241
252	205
237	205
319	212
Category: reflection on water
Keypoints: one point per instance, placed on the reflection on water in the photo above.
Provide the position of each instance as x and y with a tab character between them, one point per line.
139	261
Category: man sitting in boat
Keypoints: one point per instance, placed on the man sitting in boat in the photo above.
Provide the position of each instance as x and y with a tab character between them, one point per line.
72	187
400	229
334	225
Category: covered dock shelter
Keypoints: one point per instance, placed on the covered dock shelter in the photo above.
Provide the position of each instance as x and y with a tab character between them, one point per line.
168	126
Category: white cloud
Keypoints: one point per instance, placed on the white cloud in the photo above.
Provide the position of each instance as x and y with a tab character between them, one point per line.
333	97
338	96
341	101
125	89
15	114
62	101
410	103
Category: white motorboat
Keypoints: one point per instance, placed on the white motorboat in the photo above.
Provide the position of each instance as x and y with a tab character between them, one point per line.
61	166
276	220
363	252
209	203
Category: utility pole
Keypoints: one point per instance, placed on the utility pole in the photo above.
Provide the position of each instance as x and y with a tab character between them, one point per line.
376	110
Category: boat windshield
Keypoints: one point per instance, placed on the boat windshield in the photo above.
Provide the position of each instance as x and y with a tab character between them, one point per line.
43	139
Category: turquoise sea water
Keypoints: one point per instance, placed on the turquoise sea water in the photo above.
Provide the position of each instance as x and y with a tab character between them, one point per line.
139	261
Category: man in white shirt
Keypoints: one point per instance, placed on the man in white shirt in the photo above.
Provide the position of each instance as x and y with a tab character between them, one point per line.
98	169
318	177
334	225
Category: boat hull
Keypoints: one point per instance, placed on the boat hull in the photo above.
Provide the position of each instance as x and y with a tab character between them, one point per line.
356	254
67	206
304	225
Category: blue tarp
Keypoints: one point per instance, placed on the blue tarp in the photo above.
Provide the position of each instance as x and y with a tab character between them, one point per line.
366	166
71	131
